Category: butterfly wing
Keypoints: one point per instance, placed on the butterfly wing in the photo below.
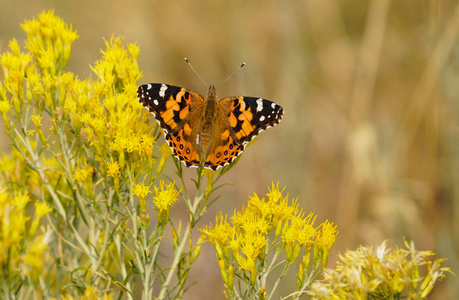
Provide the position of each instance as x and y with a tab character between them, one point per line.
175	108
171	105
184	148
240	120
223	151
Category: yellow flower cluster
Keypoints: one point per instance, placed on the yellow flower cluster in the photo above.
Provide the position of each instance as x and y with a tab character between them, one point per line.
379	273
81	145
165	197
266	224
49	40
111	126
22	250
102	114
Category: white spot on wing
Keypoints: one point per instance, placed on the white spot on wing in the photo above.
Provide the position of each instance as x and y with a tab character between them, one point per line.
262	118
149	86
259	105
155	102
273	105
162	90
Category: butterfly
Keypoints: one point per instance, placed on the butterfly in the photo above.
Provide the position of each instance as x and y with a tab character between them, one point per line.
207	130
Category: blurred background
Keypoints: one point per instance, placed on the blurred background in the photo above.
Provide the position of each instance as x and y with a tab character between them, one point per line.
370	90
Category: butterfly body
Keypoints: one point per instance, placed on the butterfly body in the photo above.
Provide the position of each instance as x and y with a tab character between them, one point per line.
207	130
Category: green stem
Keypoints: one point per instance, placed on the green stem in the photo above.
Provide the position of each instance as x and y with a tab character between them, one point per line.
187	234
34	163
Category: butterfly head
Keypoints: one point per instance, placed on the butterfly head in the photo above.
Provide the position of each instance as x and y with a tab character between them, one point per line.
212	92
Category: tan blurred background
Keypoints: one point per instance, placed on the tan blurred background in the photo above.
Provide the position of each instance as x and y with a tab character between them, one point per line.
370	91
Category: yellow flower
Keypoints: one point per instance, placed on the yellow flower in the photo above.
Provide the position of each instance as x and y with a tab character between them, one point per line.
249	238
142	190
220	235
325	239
49	39
295	234
31	264
41	210
274	194
84	176
4	107
21	251
81	175
164	198
377	273
113	169
252	240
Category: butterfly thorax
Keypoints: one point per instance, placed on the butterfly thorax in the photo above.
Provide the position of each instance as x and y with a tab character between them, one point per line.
209	118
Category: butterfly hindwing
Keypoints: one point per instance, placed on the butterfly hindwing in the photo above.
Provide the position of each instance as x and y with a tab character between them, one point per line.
183	148
222	153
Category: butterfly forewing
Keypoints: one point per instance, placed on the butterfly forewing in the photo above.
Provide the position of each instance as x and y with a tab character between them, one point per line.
248	116
171	105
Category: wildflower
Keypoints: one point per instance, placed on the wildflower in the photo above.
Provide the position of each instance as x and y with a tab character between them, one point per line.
220	235
21	250
98	139
377	273
84	173
4	107
298	233
41	209
248	240
36	119
113	169
164	198
84	176
142	190
30	265
325	239
49	40
252	241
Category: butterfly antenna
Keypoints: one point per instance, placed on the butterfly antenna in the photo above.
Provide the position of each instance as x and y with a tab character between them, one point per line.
188	62
237	70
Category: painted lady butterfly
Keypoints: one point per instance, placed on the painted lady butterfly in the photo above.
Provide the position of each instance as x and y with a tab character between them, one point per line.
207	129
